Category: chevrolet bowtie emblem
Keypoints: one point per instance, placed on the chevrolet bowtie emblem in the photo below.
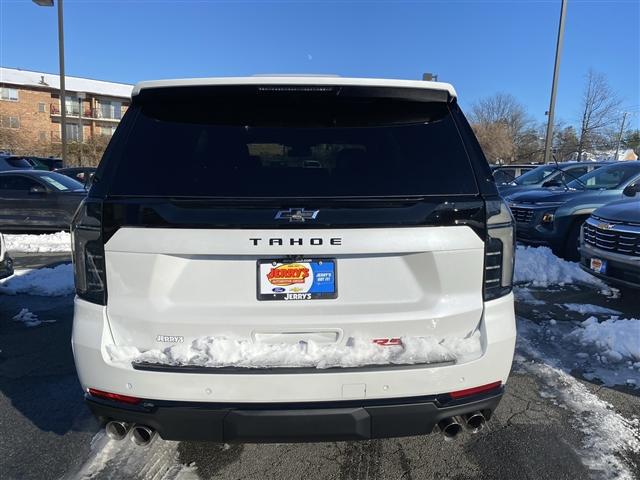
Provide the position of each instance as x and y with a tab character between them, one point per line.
605	226
297	215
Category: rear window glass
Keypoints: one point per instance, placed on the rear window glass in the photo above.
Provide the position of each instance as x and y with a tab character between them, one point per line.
334	148
536	175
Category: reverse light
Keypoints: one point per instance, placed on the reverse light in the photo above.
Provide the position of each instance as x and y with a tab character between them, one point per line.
88	252
116	397
499	250
475	390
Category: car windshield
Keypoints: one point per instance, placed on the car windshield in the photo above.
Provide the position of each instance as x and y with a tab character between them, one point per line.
61	182
606	178
537	175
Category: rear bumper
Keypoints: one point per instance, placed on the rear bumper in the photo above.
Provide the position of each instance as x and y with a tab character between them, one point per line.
91	335
260	423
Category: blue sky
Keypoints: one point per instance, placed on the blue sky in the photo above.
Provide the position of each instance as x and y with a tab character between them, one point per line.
482	47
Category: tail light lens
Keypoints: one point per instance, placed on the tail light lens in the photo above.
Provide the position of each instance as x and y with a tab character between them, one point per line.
88	252
499	250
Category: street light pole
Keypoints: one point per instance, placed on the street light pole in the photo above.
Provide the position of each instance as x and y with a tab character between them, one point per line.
63	106
624	119
554	84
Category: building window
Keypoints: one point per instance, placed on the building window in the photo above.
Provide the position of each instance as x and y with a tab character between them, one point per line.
73	132
42	107
110	109
10	94
108	131
72	105
7	121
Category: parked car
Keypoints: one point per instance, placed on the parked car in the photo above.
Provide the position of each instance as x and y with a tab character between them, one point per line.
38	200
45	163
554	216
244	241
505	174
80	174
547	176
12	162
6	263
610	241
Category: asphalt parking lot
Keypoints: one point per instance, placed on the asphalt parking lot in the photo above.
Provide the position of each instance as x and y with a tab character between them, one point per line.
540	430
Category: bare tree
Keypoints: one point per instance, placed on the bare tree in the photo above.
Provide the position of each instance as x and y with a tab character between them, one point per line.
495	140
600	106
516	125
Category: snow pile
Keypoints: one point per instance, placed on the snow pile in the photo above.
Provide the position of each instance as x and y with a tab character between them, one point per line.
29	319
609	438
45	243
614	340
49	282
588	309
219	352
540	267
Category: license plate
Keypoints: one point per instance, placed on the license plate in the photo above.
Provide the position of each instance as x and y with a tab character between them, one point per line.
598	265
308	279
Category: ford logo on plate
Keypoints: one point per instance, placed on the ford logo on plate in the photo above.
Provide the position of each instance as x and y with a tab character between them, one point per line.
278	289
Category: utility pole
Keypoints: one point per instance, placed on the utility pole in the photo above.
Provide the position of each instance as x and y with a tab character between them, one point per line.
554	84
63	106
624	119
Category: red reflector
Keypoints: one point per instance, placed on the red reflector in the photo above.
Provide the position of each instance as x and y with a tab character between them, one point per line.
473	391
114	396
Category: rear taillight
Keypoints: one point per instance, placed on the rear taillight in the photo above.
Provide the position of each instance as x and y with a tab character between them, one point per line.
498	250
467	392
88	252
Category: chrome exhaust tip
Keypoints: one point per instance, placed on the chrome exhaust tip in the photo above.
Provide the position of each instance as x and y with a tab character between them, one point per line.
117	430
450	428
474	421
142	435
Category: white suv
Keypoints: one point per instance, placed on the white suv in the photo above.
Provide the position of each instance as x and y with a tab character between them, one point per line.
293	259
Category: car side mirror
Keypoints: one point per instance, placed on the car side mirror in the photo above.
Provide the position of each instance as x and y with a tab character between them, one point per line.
551	183
37	189
631	190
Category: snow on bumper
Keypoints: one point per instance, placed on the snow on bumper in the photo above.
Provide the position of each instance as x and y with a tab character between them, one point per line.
91	335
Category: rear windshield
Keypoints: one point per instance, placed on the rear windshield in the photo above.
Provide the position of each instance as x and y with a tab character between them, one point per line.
535	176
295	147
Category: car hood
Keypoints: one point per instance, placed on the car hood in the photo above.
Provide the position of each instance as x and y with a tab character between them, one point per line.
627	210
547	195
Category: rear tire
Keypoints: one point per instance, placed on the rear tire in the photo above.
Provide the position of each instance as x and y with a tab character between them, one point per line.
572	246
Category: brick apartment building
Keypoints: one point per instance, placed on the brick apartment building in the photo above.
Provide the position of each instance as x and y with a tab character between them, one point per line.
30	113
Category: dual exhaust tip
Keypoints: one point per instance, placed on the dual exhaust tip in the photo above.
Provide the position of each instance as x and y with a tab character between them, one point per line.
451	427
141	435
